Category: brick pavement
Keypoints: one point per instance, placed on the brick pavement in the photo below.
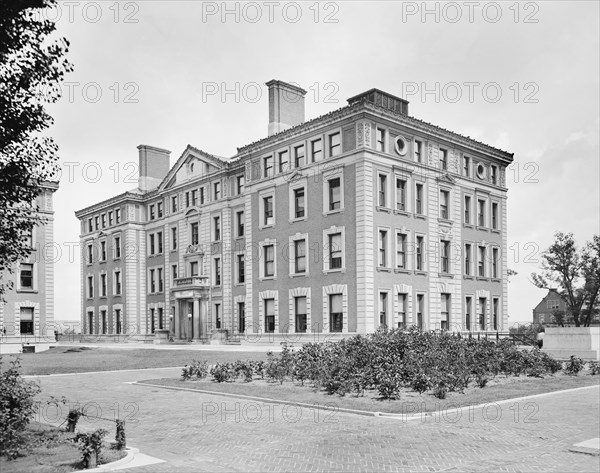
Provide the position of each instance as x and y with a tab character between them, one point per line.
207	433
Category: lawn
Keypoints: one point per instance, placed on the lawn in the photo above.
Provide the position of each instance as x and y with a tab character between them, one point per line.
498	389
84	359
50	450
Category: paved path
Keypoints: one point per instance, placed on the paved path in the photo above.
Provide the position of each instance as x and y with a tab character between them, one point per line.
196	432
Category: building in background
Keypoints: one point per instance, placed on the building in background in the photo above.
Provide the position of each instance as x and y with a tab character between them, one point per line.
27	316
361	218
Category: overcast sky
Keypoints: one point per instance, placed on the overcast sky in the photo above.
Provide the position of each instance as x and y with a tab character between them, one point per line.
523	77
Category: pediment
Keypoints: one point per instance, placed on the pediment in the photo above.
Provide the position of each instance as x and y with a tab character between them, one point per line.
192	164
447	179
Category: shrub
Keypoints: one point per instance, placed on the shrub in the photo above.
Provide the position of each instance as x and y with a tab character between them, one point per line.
120	434
90	445
594	367
550	363
574	365
72	419
244	369
17	406
197	368
223	372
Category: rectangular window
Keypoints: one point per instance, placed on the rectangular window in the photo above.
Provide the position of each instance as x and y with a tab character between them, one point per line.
152	246
159	209
494	216
103	220
495	305
420	309
110	218
444	202
103	285
401	317
268	166
194	268
217	190
187	199
241	317
335	194
217	315
445	247
90	254
382	190
419	199
240	223
97	222
316	150
269	315
299	202
383	309
495	263
336	313
481	262
160	318
161	282
90	280
117	215
468	305
194	233
269	269
299	156
481	213
401	250
152	326
26	276
241	271
152	216
300	256
443	159
300	313
420	251
335	144
418	146
482	304
90	225
174	204
400	194
468	258
217	228
173	238
152	282
383	248
217	271
118	322
240	183
380	140
335	251
194	198
467	166
117	283
103	251
494	174
268	210
173	273
445	312
202	195
104	322
159	240
117	245
283	161
467	209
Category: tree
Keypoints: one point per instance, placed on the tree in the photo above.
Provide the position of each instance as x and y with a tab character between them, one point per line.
31	69
576	275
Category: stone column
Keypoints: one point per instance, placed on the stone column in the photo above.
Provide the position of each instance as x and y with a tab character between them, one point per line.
176	329
196	318
203	302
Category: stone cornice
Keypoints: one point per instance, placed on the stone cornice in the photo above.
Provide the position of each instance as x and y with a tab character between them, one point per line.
124	197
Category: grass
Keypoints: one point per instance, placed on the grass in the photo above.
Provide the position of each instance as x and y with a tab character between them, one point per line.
500	388
47	449
84	359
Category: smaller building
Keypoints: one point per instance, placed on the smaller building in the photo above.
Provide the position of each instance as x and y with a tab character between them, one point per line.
551	305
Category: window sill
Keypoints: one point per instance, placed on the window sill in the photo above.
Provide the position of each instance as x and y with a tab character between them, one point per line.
239	237
467	225
116	258
445	220
336	270
268	278
402	212
495	230
446	275
239	284
483	229
402	271
263	227
298	219
29	291
386	210
420	273
482	278
472	278
332	212
421	216
299	275
384	269
496	280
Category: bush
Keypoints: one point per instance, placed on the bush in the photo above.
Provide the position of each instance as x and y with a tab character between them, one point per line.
574	365
90	445
594	367
197	368
17	406
223	372
120	434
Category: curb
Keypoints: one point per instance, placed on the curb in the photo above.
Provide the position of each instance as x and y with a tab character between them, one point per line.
131	453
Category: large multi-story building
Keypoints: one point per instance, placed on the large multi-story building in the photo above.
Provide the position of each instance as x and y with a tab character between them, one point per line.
27	313
356	219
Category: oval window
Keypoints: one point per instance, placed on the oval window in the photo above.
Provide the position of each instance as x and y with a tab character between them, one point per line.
480	171
401	145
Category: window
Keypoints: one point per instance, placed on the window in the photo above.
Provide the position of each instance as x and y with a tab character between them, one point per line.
217	315
103	285
444	202
161	283
241	273
241	317
335	194
117	246
495	305
194	198
269	263
468	305
117	215
445	312
335	144
316	150
90	286
495	263
400	194
110	218
283	161
173	273
240	223
217	271
494	216
401	317
336	313
159	209
26	324
467	209
383	248
103	250
173	238
554	304
481	213
481	262
420	308
468	258
268	210
240	183
152	247
26	276
174	204
419	199
160	318
299	256
103	220
90	322
152	215
202	195
445	247
299	202
187	199
299	156
194	268
382	190
494	174
90	225
97	222
401	251
380	140
152	282
268	166
159	240
118	321
419	262
300	313
90	254
443	159
383	296
335	251
217	228
152	323
482	304
269	315
194	232
467	166
217	190
104	322
418	147
117	283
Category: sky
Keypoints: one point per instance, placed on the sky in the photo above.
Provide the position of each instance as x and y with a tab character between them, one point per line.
520	76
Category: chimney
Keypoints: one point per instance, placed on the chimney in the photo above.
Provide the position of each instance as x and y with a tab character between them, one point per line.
286	106
154	166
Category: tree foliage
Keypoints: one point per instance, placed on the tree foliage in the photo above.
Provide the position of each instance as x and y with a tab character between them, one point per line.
31	69
574	273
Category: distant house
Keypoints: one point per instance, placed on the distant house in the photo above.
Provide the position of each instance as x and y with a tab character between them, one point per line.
552	302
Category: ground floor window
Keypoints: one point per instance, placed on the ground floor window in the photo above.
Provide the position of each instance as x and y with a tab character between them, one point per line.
118	320
26	325
269	315
160	318
152	327
90	322
482	302
218	315
300	308
420	308
336	313
104	322
241	317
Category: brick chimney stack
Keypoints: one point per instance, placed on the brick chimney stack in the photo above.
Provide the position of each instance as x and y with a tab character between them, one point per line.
286	106
154	165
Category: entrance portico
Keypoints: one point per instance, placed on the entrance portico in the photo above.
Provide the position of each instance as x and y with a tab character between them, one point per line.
189	297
